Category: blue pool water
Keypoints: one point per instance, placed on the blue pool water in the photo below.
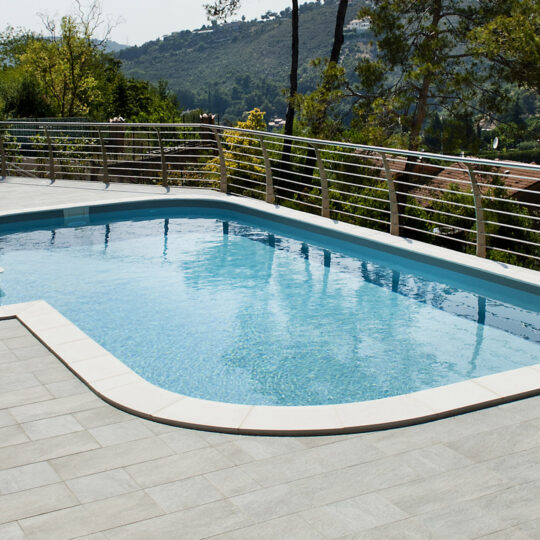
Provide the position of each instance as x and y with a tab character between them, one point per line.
220	306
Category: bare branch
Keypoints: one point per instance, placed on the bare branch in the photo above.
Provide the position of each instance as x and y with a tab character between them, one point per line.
221	10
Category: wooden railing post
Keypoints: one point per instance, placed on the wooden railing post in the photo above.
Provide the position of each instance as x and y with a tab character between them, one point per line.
104	162
325	198
222	163
270	192
479	211
392	197
52	174
164	171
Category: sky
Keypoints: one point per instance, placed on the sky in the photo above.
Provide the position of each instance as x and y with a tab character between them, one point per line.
136	21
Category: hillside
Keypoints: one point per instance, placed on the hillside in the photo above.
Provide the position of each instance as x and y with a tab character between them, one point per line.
231	68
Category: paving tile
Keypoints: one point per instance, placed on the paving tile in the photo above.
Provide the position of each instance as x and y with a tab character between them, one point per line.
353	515
191	524
321	440
30	366
407	529
12	435
102	415
520	467
55	407
177	467
6	356
497	442
16	381
464	519
54	447
52	374
525	409
184	440
432	493
322	489
121	432
512	533
308	462
70	387
18	342
27	477
289	527
110	457
102	485
435	459
232	452
32	502
184	494
35	351
92	517
232	481
6	419
160	429
51	427
32	395
265	447
11	531
12	328
530	528
514	505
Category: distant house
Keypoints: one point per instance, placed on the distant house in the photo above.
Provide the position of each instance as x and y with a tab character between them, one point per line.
359	25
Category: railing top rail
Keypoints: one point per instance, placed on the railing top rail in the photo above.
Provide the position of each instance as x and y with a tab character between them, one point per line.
309	141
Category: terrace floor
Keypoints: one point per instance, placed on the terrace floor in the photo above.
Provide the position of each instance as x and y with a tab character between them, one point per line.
73	466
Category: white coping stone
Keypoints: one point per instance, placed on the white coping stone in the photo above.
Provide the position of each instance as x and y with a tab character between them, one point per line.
515	381
456	396
198	412
118	384
143	397
378	412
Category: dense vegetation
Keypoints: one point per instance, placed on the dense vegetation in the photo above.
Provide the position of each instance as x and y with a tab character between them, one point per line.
69	74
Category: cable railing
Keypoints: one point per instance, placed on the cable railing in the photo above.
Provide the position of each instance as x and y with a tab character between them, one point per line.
486	207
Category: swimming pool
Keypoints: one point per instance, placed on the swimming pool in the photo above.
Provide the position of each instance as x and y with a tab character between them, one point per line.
229	306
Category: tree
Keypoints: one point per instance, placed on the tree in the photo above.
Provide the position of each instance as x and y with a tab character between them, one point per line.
316	106
250	171
66	61
66	72
221	10
424	62
511	40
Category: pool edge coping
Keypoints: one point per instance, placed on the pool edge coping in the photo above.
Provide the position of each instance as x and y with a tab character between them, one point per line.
117	384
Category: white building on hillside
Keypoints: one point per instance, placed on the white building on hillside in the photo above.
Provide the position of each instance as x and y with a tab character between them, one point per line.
359	25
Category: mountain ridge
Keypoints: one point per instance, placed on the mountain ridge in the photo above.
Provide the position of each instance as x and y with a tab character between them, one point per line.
231	68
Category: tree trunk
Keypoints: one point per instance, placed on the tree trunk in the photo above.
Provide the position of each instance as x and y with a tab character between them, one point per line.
411	167
284	186
310	163
289	119
338	32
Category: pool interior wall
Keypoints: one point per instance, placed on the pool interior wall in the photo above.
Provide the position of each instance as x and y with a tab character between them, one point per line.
513	289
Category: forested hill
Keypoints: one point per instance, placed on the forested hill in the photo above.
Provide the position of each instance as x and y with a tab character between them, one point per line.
232	68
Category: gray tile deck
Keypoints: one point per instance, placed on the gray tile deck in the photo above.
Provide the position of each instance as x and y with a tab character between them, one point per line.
73	466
